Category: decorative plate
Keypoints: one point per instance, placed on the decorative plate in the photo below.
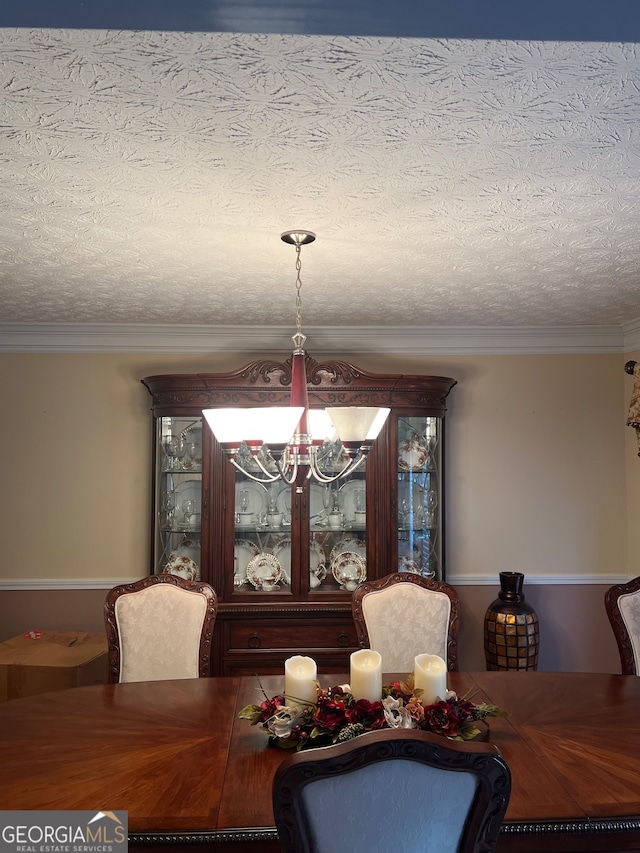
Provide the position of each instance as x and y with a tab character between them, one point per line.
413	454
316	504
349	566
283	501
409	548
347	497
283	553
348	543
256	497
406	564
183	567
244	550
264	567
188	490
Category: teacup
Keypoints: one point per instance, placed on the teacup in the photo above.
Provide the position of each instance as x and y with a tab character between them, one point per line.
335	520
359	517
245	517
268	584
274	519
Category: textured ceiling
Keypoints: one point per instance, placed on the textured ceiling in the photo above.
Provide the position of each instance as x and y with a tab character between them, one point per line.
146	177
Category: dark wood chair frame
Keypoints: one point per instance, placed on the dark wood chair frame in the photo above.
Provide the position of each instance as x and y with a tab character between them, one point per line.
111	625
409	577
628	663
483	760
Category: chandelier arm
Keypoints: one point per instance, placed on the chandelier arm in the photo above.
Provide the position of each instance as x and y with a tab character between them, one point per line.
293	472
265	470
272	478
349	468
282	471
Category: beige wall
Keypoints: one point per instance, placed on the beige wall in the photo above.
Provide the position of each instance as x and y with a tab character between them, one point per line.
542	474
632	468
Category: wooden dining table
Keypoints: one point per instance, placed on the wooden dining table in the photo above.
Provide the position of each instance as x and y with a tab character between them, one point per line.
175	756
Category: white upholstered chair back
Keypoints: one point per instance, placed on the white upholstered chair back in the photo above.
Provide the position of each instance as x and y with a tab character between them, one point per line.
159	628
391	790
622	603
404	615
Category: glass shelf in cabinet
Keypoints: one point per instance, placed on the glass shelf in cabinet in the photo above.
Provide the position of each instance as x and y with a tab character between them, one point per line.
168	470
195	531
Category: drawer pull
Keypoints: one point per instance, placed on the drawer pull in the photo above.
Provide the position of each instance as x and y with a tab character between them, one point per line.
254	641
343	640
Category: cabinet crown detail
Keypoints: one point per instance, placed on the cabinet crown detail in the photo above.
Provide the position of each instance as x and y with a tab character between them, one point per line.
269	381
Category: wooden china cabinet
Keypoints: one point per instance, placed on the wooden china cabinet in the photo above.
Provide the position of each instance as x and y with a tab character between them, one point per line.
284	563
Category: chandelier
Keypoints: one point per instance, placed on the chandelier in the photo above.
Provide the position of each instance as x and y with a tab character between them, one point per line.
289	443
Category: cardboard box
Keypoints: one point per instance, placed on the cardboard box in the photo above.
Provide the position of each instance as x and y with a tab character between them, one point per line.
52	661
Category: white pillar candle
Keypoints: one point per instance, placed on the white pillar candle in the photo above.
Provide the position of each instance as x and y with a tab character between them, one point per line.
430	674
300	679
366	675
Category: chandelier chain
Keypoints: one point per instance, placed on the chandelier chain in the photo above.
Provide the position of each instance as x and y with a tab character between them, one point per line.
298	290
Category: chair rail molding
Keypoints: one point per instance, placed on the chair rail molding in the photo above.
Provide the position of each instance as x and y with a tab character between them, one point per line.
33	584
27	584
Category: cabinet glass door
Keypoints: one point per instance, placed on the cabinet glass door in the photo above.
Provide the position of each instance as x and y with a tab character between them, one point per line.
337	526
262	531
419	496
177	545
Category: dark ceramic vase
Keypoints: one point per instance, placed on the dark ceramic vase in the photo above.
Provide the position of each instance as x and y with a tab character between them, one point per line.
511	629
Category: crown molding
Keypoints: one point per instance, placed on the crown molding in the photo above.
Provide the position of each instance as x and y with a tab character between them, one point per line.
413	340
631	334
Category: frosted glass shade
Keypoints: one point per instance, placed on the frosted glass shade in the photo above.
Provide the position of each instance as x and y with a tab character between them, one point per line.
357	423
378	422
320	425
270	425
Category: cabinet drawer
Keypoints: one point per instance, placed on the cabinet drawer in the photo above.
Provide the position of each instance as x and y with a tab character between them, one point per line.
251	635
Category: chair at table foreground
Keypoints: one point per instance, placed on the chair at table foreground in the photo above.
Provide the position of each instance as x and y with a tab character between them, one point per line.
158	628
622	603
392	789
403	615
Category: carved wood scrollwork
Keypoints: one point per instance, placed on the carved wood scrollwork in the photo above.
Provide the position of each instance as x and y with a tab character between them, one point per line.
336	371
263	371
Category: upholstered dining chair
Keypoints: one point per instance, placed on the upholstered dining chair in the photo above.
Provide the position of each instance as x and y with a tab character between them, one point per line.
158	628
622	603
403	615
390	790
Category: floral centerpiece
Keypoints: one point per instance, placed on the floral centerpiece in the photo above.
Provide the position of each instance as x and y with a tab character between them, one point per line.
337	716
